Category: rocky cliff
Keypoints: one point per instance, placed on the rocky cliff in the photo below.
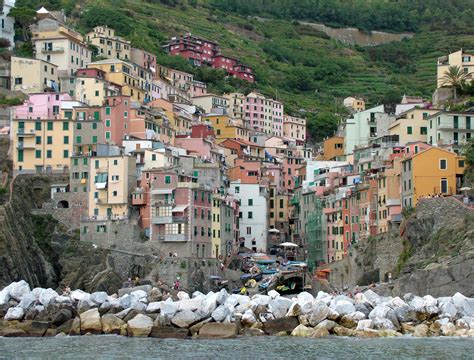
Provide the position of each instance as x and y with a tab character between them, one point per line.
431	253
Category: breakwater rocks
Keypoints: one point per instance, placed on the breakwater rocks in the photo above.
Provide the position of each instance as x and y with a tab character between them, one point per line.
145	311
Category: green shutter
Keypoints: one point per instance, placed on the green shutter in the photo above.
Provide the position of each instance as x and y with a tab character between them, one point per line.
96	115
38	154
65	125
50	125
38	125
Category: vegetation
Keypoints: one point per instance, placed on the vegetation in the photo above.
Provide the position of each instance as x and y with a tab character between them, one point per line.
293	62
454	77
396	16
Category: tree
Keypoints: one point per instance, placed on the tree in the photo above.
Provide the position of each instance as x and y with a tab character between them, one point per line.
454	77
24	17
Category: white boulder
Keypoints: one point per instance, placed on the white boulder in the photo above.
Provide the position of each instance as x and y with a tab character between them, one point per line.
15	313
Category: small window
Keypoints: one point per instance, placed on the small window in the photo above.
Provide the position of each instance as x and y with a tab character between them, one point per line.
250	215
49	154
65	154
38	154
50	125
409	130
66	140
250	202
167	179
38	125
443	164
461	163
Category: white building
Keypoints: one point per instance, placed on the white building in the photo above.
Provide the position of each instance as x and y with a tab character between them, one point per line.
7	29
359	128
253	224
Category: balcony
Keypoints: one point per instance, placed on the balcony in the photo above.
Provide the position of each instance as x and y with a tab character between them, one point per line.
180	219
21	145
53	50
173	238
158	220
24	132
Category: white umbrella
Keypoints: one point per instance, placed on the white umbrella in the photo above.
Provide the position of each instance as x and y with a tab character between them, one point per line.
288	244
276	231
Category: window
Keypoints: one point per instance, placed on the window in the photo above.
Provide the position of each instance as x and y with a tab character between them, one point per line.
423	130
250	202
444	186
50	125
280	214
78	139
84	161
38	125
94	126
115	177
107	135
18	81
249	230
461	163
237	189
97	93
443	164
38	154
65	154
65	125
281	203
115	162
409	130
456	122
468	122
49	154
94	139
107	123
250	215
79	126
49	140
114	193
107	111
167	179
66	140
38	140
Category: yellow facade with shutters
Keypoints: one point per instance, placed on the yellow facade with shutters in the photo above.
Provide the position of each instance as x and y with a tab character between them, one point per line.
111	183
41	146
226	128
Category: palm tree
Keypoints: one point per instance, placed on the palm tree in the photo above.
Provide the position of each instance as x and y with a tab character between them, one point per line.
454	77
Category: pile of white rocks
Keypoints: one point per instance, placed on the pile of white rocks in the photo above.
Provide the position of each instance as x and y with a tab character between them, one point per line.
144	311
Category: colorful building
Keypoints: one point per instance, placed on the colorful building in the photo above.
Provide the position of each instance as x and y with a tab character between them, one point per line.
108	44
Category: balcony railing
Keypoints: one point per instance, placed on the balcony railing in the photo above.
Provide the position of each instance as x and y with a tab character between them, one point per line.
24	132
21	145
55	49
161	219
173	238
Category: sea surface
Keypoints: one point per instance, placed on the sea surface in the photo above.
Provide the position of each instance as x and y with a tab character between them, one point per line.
116	347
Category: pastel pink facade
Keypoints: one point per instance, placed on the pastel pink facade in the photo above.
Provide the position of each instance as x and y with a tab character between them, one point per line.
116	119
254	111
42	106
195	146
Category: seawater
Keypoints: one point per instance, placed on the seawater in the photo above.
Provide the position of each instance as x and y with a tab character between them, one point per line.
116	347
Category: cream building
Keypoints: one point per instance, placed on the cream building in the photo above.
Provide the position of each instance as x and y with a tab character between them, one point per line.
411	125
462	59
354	104
60	45
108	44
210	102
33	75
294	128
236	105
113	180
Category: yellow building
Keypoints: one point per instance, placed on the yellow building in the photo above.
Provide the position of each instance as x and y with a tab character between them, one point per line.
333	148
216	225
113	180
91	87
33	75
432	172
226	128
108	44
55	43
135	80
461	59
412	125
41	145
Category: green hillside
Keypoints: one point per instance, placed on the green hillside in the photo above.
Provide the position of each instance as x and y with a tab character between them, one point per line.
297	64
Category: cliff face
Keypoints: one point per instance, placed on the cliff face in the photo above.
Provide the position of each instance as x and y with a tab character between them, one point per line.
21	256
432	254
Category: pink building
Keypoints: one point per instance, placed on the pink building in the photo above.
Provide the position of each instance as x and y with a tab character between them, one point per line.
277	117
224	62
254	111
198	88
116	118
42	106
195	146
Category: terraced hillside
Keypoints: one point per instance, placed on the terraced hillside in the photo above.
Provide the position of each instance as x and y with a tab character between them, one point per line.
296	63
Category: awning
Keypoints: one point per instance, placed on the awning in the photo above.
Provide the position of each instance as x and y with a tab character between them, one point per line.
179	208
161	191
